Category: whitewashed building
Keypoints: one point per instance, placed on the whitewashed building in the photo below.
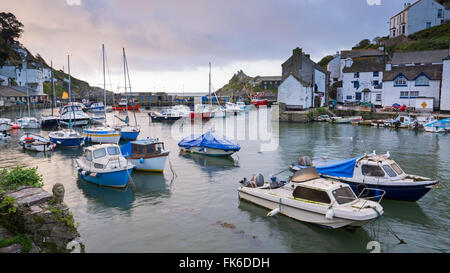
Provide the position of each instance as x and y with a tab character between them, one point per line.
295	93
418	16
445	89
362	81
334	66
412	85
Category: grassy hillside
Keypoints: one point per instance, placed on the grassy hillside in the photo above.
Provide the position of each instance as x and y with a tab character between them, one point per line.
429	39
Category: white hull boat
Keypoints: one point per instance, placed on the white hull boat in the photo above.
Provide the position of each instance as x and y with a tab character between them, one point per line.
28	123
309	198
147	155
101	135
36	143
5	124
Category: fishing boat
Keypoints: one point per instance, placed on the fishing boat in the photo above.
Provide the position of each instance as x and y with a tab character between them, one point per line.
425	119
377	171
33	142
166	114
257	101
28	123
438	126
401	121
147	154
201	111
98	118
309	198
104	165
210	143
123	106
231	108
128	132
97	107
5	124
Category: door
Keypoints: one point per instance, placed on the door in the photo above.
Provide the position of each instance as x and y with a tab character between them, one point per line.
358	96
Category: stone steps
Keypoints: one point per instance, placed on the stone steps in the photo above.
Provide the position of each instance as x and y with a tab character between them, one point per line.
30	196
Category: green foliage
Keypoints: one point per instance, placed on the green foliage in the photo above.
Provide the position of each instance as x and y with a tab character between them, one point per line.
19	177
310	115
7	204
67	219
325	60
363	44
433	38
25	243
10	27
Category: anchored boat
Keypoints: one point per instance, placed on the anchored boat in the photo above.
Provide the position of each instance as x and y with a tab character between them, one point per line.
36	143
167	114
28	123
147	154
438	126
5	124
210	143
377	171
67	138
309	198
104	165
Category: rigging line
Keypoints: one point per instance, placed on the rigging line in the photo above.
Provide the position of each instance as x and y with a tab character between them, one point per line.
129	87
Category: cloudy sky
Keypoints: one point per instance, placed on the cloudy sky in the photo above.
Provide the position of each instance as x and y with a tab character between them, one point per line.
170	42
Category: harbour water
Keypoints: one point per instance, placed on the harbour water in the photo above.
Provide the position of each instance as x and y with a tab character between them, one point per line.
194	206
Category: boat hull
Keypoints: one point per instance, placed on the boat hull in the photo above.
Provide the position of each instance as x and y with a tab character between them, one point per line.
154	164
102	138
38	148
50	123
118	179
125	108
78	122
68	142
5	127
164	118
129	135
300	214
209	151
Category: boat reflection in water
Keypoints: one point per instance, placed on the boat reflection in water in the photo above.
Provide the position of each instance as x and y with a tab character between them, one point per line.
213	163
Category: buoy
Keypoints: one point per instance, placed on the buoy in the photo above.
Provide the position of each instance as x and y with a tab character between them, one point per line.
273	212
330	214
141	161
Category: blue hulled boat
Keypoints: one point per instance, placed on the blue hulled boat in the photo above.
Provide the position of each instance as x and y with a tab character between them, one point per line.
376	171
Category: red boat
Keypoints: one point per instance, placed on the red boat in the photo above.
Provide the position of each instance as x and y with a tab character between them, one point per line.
257	101
123	106
201	112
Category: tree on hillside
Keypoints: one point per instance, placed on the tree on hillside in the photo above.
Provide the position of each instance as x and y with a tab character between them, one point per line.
364	43
325	60
10	27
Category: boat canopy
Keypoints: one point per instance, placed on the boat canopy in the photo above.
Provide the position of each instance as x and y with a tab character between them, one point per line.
439	123
209	140
127	149
343	168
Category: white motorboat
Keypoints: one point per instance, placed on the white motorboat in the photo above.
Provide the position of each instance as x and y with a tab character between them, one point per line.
98	118
322	118
104	165
101	135
75	118
309	198
243	107
36	143
28	123
402	121
97	107
166	114
232	108
147	155
5	124
181	110
438	126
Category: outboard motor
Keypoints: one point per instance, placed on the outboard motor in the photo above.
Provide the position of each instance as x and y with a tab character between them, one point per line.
258	179
397	124
305	161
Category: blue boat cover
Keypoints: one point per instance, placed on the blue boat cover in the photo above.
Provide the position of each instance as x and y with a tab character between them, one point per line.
342	168
209	140
440	123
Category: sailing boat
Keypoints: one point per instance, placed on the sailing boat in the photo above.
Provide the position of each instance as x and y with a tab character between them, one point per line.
203	111
51	121
28	122
67	137
128	132
102	134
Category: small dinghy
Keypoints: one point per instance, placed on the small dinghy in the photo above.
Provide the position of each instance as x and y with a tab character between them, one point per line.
67	138
104	165
36	143
128	132
309	198
210	143
147	155
376	171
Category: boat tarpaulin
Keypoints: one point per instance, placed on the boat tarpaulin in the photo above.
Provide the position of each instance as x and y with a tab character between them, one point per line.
342	168
209	140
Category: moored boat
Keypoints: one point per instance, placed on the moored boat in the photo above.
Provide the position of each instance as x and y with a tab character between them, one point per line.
33	142
146	154
438	126
28	123
67	138
166	114
101	134
124	106
5	124
210	143
50	122
309	198
104	165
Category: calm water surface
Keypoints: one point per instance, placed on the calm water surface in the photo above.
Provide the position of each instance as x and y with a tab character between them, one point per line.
182	210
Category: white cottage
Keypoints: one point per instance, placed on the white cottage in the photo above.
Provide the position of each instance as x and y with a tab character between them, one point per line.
418	16
412	85
295	93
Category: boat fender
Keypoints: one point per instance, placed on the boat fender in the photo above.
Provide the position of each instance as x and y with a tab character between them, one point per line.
273	212
330	214
84	173
141	161
59	142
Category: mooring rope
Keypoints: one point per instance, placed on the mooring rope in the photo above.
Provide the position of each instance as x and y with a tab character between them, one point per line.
174	174
403	241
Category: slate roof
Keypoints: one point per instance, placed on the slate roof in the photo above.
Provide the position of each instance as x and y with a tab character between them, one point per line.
360	53
31	91
433	72
365	65
426	57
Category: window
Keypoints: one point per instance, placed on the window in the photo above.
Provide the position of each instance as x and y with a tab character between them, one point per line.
113	151
344	195
376	74
439	13
422	81
356	84
375	83
389	171
403	29
396	168
358	96
311	195
378	97
428	24
400	81
414	94
99	153
356	75
369	170
404	94
89	156
349	97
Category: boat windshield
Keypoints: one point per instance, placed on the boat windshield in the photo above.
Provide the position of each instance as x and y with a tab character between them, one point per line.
89	156
113	151
344	195
396	168
389	171
99	153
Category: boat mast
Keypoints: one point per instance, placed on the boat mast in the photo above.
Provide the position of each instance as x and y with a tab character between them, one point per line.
26	86
70	93
129	86
53	86
210	83
125	77
104	81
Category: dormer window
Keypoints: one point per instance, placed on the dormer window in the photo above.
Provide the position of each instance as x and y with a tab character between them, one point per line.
422	81
400	81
